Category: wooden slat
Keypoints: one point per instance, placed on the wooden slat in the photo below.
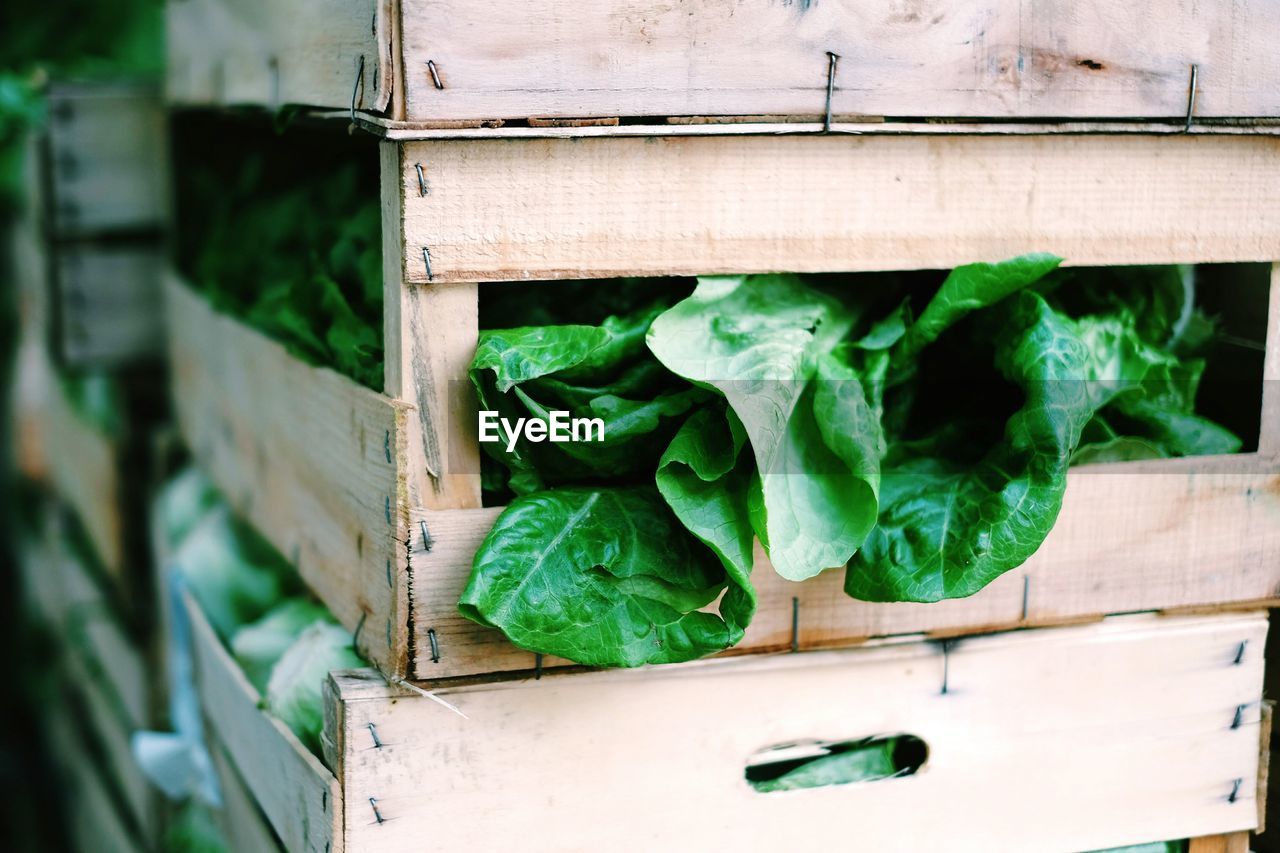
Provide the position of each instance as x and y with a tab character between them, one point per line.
278	52
306	455
90	812
84	466
1025	59
110	305
240	819
549	208
300	798
1057	740
1130	537
430	339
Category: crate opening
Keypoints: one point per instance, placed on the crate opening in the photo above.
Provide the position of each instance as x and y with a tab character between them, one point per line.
1196	334
818	764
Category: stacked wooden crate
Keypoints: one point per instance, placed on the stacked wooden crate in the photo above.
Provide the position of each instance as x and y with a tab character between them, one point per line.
87	254
544	141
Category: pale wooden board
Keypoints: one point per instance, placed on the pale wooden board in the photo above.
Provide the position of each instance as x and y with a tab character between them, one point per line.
551	208
299	796
110	304
240	819
276	52
788	126
88	809
1235	842
1130	537
433	332
1025	59
112	661
84	466
106	159
1056	740
306	455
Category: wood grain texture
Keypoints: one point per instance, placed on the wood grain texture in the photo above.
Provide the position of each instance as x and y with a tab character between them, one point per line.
553	208
309	457
241	820
105	159
430	336
1130	537
1055	740
276	52
299	796
1019	60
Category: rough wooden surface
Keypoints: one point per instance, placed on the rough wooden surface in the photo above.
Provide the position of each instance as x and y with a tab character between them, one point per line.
306	455
1130	537
240	819
1057	740
110	304
430	336
299	796
1234	842
549	208
1025	59
277	52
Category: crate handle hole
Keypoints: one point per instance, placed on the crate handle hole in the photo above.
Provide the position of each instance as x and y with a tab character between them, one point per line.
804	764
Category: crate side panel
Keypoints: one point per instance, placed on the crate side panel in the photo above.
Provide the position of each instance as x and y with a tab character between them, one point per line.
1174	534
1015	60
591	208
277	52
299	796
240	818
1058	740
308	456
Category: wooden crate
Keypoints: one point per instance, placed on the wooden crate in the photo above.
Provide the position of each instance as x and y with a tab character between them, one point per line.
375	498
107	303
89	803
1101	735
104	666
424	63
103	161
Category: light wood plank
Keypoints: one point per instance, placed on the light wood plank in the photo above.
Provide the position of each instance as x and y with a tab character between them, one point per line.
407	131
1057	740
430	339
300	798
106	159
84	467
279	52
1023	59
1130	537
240	819
111	308
548	208
306	455
91	814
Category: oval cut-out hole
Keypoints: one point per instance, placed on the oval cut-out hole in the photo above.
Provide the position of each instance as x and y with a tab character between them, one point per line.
818	764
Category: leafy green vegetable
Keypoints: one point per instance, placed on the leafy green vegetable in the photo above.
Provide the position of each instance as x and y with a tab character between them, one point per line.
180	505
921	441
865	761
234	574
259	645
605	577
295	689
